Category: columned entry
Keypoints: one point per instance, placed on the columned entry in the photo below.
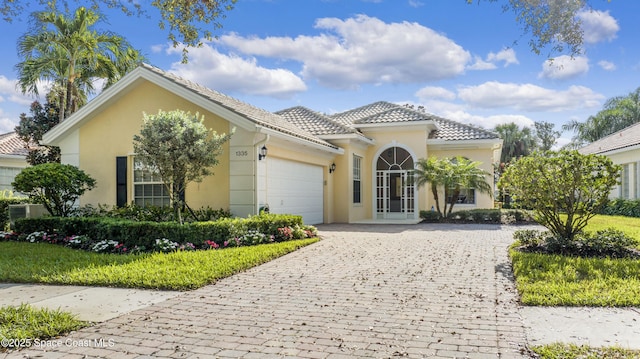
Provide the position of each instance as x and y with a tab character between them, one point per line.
395	191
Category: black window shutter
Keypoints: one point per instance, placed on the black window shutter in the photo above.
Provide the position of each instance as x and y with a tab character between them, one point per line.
121	181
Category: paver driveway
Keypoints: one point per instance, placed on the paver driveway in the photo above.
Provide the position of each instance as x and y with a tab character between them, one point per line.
373	291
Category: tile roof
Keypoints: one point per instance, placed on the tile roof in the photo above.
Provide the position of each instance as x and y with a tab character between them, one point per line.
257	115
386	112
11	144
310	125
624	138
313	122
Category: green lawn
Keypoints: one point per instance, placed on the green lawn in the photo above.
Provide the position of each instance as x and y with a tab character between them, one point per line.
544	279
22	326
53	264
571	351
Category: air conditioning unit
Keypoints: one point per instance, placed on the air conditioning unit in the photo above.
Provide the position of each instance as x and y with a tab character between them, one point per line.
17	211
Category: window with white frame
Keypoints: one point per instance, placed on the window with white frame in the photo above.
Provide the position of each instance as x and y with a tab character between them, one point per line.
357	182
7	176
624	182
148	188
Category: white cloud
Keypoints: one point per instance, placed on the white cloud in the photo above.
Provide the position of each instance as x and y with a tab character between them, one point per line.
9	91
487	122
430	93
229	73
598	26
508	56
480	65
528	97
564	67
363	50
415	3
607	65
7	124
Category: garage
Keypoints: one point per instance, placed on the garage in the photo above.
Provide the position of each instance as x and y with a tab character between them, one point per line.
295	188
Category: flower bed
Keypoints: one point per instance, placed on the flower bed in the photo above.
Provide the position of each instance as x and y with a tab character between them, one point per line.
108	235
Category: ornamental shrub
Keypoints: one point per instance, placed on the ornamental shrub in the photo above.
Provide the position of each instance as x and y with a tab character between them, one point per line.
54	185
557	184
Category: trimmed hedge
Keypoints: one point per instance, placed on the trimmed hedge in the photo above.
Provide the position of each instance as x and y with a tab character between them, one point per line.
622	207
496	216
144	233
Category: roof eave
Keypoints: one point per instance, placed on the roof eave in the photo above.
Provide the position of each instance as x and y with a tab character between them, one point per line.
349	136
320	146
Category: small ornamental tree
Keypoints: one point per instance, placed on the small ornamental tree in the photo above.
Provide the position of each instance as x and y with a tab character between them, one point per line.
54	185
565	189
180	147
451	174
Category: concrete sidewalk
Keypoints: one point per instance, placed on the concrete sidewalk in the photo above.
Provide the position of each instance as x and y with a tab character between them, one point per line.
91	304
364	291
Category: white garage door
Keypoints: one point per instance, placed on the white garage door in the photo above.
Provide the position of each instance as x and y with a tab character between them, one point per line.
295	188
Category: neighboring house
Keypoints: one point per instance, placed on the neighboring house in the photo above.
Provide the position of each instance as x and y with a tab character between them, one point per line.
353	166
13	158
623	148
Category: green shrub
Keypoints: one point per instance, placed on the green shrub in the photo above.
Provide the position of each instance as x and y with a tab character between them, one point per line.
604	243
529	237
497	216
152	213
144	234
622	207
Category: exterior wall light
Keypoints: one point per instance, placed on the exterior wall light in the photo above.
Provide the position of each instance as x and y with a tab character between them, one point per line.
263	153
332	168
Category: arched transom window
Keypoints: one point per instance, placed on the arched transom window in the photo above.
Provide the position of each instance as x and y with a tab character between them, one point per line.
395	158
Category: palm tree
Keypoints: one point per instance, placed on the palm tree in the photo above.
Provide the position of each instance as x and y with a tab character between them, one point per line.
516	142
617	113
69	53
430	171
452	174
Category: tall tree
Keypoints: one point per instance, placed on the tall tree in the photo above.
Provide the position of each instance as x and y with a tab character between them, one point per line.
516	143
452	175
546	135
617	113
70	53
181	148
32	128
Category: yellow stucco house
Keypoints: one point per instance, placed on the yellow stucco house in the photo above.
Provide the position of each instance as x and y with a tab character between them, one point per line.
348	167
623	148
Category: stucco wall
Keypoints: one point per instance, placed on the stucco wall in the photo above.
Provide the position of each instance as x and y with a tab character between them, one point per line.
110	134
485	157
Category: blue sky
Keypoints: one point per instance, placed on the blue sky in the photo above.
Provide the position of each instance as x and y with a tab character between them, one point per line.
469	63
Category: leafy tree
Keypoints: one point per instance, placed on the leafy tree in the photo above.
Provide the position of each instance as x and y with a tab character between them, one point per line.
32	128
54	185
549	22
181	148
516	142
69	52
565	189
451	174
546	135
618	113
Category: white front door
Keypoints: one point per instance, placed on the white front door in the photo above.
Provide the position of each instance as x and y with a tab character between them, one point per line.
395	190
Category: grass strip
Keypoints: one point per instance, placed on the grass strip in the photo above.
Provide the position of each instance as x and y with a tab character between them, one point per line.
185	270
21	326
554	280
572	351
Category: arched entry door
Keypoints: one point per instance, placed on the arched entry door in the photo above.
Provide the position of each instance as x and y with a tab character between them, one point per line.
395	190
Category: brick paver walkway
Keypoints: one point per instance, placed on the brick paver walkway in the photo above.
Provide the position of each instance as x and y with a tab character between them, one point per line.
364	291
